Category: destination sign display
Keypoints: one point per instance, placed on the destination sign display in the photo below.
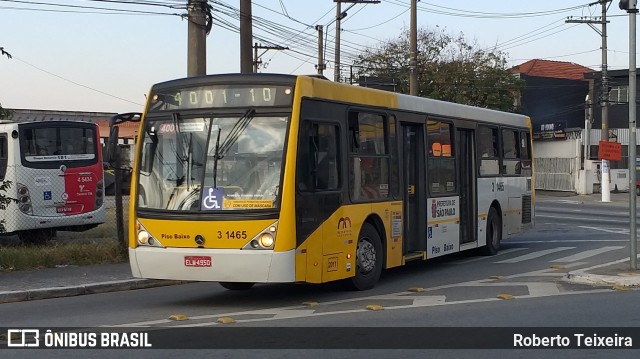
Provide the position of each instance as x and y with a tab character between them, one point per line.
213	96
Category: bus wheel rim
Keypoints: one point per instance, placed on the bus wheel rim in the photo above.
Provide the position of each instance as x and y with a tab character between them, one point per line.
366	255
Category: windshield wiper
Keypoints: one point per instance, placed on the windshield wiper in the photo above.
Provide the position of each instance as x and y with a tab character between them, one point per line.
230	140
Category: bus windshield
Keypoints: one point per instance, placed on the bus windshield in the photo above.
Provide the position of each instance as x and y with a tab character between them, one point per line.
211	163
58	143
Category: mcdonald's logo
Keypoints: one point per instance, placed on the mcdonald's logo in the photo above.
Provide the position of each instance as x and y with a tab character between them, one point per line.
344	223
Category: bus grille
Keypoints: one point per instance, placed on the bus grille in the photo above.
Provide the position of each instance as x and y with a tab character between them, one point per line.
526	209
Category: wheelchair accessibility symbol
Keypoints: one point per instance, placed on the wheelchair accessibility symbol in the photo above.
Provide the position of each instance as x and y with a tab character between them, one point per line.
212	198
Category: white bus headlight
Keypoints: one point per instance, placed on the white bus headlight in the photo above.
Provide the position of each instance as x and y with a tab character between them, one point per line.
143	237
266	240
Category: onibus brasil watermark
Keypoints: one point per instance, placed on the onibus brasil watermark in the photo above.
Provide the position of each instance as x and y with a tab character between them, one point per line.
33	338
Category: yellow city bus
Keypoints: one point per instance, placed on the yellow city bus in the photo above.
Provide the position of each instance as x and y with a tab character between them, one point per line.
266	178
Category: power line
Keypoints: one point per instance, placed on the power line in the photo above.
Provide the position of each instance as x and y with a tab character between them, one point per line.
76	83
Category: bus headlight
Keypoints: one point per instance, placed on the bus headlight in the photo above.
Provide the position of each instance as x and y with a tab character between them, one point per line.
265	238
143	237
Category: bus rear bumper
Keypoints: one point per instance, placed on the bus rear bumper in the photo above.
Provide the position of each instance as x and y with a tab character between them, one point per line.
227	265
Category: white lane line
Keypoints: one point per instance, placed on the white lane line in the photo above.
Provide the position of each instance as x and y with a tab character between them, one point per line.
586	254
608	230
501	252
582	218
535	255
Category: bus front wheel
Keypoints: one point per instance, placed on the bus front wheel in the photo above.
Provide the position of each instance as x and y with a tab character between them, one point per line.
237	285
368	259
494	233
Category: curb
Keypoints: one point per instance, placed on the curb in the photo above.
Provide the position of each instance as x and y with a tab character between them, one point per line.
582	276
93	288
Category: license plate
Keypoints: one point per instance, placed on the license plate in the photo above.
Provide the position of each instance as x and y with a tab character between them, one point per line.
197	261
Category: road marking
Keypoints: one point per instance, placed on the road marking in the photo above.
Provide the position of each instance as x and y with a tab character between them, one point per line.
570	241
501	252
535	290
582	218
535	255
586	254
608	230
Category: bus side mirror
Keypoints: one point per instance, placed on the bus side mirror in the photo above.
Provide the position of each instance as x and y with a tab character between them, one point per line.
112	146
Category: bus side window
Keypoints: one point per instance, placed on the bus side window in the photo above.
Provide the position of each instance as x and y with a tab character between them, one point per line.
488	150
510	153
318	158
3	155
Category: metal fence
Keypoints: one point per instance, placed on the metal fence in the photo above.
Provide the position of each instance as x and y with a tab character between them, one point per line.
65	230
556	174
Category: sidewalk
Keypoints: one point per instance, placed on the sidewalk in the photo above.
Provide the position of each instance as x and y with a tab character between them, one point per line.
71	281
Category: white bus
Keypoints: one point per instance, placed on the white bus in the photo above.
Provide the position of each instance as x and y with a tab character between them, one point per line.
54	171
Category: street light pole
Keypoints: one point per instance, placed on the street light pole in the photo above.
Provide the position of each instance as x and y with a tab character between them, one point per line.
631	8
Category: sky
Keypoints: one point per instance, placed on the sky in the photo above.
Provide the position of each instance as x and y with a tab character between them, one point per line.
83	57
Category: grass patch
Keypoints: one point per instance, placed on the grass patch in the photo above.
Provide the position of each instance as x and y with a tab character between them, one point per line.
82	252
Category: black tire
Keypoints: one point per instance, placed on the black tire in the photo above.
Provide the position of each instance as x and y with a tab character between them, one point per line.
37	236
237	285
369	259
494	233
637	191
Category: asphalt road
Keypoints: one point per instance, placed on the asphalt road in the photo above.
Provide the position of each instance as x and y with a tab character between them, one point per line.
462	290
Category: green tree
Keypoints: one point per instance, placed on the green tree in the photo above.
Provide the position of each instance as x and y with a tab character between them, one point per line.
450	68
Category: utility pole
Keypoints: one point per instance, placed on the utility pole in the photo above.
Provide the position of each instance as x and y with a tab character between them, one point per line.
632	136
631	7
604	94
336	70
604	135
256	57
246	36
196	39
321	65
413	49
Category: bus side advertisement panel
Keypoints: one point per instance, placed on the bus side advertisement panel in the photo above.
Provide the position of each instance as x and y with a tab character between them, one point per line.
443	226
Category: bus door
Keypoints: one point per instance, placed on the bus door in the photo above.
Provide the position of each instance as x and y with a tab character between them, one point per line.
414	197
467	181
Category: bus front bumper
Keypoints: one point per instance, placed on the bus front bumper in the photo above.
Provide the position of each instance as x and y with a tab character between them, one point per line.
226	265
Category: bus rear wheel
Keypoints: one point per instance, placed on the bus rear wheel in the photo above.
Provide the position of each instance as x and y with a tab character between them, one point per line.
368	259
236	285
37	236
494	233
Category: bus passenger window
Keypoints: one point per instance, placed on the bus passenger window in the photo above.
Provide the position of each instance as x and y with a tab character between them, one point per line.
510	157
369	156
487	138
318	159
441	170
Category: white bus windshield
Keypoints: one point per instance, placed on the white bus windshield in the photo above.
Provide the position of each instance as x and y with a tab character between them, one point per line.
53	143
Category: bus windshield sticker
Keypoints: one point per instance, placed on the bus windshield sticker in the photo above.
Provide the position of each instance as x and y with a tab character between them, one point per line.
212	198
78	157
245	204
192	126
